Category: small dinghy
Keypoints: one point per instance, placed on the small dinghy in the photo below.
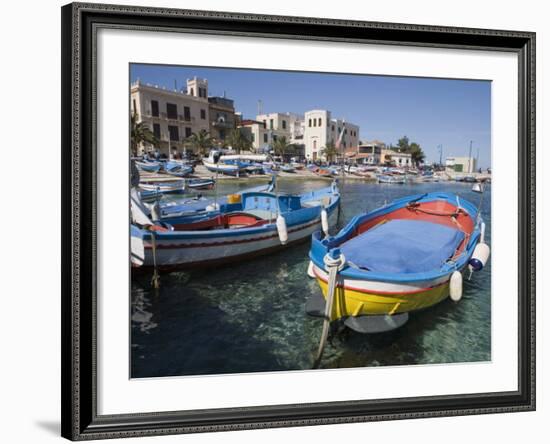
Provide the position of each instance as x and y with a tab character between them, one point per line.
148	167
389	178
164	187
405	256
200	184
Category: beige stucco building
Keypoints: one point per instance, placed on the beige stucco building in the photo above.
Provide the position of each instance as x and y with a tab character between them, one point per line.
171	115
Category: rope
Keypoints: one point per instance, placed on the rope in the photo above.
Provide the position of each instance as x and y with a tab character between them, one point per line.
416	207
156	278
334	263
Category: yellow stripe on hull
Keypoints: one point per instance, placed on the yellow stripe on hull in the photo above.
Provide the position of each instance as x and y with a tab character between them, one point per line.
349	302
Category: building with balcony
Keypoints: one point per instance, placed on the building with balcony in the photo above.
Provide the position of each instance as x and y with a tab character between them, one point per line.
395	158
257	134
320	128
172	115
222	117
368	153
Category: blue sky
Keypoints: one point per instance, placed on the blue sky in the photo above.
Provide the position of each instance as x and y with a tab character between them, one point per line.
429	111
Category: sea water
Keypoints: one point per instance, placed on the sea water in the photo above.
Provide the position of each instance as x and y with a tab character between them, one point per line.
250	316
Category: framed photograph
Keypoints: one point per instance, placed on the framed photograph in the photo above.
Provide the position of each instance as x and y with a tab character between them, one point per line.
276	221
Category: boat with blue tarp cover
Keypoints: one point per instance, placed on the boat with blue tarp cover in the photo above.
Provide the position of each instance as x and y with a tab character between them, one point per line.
405	256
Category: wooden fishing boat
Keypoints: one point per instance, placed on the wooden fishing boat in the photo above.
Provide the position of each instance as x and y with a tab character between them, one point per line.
405	256
200	206
200	184
253	224
176	168
149	167
323	172
389	178
287	168
164	187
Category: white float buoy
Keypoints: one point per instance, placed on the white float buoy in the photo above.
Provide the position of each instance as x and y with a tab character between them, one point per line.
281	229
479	257
310	272
212	207
455	286
324	221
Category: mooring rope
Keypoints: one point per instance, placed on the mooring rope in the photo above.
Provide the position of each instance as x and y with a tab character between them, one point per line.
156	278
334	261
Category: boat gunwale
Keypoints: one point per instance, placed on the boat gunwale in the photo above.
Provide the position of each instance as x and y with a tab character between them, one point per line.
320	247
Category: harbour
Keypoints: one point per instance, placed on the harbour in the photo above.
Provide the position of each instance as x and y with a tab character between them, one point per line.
250	316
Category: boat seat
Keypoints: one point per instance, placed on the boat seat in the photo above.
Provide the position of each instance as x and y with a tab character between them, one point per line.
261	214
403	246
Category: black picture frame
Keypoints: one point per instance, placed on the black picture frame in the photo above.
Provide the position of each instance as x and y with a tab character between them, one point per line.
79	206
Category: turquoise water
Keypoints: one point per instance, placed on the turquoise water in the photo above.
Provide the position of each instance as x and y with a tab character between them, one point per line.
250	317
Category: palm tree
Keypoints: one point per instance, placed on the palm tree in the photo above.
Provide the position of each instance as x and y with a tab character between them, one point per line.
238	141
281	147
201	141
140	133
329	151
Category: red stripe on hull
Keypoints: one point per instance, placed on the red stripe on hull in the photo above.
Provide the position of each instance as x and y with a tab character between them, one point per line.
218	244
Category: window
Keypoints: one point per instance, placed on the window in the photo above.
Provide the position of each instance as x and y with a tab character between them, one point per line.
252	138
154	108
186	113
310	123
339	130
156	130
172	110
265	137
134	106
203	114
274	137
319	121
192	92
188	132
283	122
314	144
174	133
314	122
222	134
270	123
265	124
332	128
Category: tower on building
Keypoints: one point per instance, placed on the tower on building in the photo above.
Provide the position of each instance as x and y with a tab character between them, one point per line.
197	87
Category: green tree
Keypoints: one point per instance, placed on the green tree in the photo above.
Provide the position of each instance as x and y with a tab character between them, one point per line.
281	147
417	155
330	151
403	144
201	141
238	141
140	133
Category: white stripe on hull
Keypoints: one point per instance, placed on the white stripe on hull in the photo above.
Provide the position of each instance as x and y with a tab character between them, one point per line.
204	253
383	287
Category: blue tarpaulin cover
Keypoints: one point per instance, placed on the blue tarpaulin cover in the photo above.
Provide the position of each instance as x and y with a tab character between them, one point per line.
403	246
